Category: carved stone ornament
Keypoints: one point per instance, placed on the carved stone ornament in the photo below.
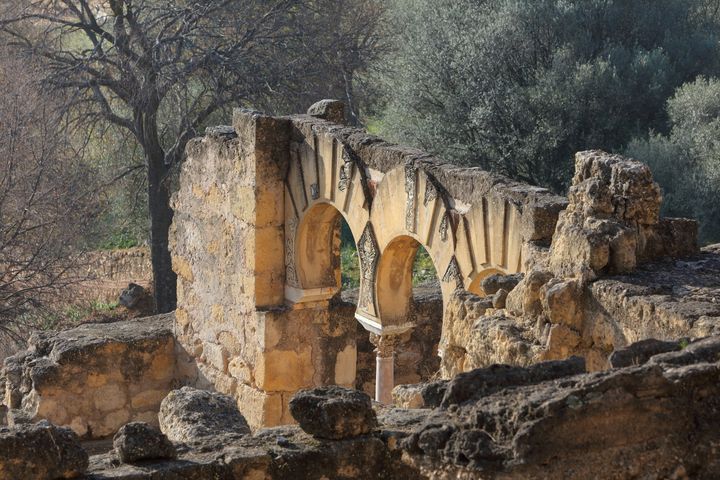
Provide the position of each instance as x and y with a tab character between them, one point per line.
385	345
345	173
410	174
368	252
430	192
444	223
452	274
291	277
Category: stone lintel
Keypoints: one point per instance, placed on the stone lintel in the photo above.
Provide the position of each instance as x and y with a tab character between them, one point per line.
297	295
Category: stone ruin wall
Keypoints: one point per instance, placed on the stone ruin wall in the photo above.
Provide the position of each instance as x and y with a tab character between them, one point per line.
562	306
231	272
230	249
257	265
238	333
95	378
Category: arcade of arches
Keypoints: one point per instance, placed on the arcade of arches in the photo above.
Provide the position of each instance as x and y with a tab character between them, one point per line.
256	249
258	260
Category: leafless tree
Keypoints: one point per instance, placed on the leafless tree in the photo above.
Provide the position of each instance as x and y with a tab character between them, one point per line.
160	69
46	199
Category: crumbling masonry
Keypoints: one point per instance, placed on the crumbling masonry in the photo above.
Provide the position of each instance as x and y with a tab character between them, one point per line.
536	291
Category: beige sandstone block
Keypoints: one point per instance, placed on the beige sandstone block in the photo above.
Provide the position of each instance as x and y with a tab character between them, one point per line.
240	370
109	397
182	268
270	211
230	342
162	367
284	370
345	366
216	356
270	250
273	410
251	403
147	399
112	422
217	313
226	384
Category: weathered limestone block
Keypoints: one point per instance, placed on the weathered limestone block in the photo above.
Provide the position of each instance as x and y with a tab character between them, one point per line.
640	352
475	335
562	303
662	300
330	110
96	377
613	211
420	395
659	420
482	382
526	298
333	412
495	282
188	414
40	451
139	441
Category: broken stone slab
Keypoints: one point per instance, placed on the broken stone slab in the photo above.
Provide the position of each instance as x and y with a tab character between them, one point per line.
486	381
420	395
328	109
40	451
660	419
706	350
333	412
640	352
498	281
137	441
188	414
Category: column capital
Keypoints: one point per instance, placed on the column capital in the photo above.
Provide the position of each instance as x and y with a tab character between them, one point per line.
384	344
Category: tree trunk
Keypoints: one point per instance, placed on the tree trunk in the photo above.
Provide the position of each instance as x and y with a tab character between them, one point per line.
161	215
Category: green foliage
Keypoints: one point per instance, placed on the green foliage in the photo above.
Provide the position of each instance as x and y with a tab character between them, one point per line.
686	163
518	86
349	267
423	268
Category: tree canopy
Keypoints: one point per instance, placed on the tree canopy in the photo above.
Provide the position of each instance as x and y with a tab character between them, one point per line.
517	86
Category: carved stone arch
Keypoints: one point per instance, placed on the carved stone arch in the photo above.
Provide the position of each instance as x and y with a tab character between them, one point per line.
322	183
408	203
489	240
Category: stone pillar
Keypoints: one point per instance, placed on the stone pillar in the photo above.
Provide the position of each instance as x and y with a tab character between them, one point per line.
385	366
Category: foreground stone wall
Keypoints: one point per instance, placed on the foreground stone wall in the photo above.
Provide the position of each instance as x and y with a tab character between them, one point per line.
657	419
96	377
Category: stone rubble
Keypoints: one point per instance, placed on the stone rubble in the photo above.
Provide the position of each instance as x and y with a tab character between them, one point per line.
333	413
138	441
188	414
40	451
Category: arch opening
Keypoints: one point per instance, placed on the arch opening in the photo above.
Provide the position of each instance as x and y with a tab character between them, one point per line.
317	249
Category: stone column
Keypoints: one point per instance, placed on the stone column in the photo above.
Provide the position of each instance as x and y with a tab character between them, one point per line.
385	366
